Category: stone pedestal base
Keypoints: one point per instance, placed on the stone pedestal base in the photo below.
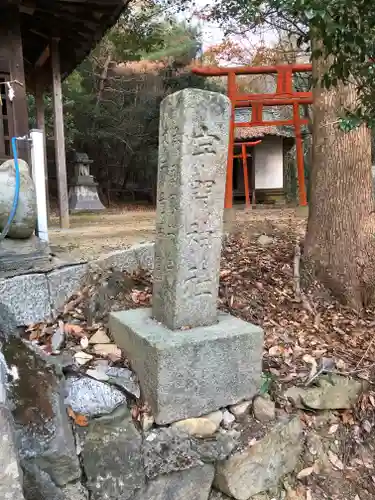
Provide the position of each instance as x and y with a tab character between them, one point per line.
188	373
23	255
83	197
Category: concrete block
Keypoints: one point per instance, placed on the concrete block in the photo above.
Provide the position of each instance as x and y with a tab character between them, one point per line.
187	373
121	260
26	297
145	256
64	282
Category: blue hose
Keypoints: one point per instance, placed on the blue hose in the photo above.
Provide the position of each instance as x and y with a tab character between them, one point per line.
16	193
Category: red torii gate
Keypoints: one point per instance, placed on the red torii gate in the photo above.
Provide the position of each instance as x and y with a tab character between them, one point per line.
284	96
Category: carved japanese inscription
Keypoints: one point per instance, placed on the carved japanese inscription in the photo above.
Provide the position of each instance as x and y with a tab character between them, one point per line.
193	146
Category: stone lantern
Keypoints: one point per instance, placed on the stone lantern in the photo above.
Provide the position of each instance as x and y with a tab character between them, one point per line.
83	192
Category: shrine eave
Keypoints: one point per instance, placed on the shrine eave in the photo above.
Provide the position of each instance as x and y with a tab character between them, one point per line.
77	24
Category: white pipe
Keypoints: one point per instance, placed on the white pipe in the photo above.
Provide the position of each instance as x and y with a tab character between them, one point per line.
38	169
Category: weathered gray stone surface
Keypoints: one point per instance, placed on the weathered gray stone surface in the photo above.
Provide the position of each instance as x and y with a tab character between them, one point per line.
333	392
198	427
145	255
10	474
261	466
264	409
121	260
21	256
241	409
64	282
190	373
217	495
39	486
193	147
8	322
112	460
43	433
168	450
125	378
27	297
192	484
24	222
90	397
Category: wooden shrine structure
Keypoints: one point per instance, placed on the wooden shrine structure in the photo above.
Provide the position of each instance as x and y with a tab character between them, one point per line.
285	95
41	42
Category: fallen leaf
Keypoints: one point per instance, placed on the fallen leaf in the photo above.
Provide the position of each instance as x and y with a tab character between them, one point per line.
305	472
82	357
75	330
276	350
135	412
84	342
366	425
333	429
34	335
108	350
335	461
347	417
311	361
70	412
81	421
224	273
340	365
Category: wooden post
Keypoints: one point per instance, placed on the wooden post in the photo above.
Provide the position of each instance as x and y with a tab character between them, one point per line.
17	72
245	174
300	158
41	125
62	181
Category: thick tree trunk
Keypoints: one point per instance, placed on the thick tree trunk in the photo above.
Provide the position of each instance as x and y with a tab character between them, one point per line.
340	241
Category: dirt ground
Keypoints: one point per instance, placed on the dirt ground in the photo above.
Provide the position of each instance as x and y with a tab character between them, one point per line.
91	235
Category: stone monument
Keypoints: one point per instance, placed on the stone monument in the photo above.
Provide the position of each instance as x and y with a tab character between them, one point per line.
83	193
21	249
190	358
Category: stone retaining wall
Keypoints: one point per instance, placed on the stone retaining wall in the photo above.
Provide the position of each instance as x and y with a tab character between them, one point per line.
118	455
36	297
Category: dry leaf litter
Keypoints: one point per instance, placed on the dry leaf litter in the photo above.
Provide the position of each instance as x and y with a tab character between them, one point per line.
309	337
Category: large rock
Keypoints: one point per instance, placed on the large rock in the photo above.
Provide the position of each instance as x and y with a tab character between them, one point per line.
112	460
24	222
198	427
39	486
168	450
43	433
90	397
10	474
261	466
264	409
192	484
333	392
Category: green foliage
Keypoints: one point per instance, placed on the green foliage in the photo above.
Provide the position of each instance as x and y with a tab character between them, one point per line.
346	30
114	116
